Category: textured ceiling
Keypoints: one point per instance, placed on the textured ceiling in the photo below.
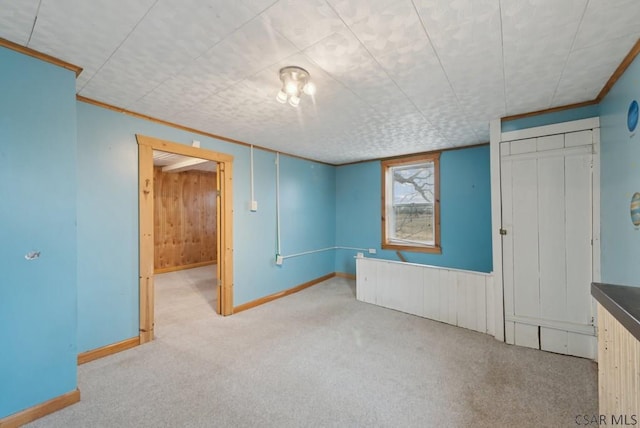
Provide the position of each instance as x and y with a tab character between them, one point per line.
393	76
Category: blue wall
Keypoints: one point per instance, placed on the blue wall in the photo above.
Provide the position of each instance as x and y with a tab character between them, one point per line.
551	118
465	212
620	179
108	221
38	350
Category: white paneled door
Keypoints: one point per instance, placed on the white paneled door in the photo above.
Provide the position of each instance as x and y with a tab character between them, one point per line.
547	214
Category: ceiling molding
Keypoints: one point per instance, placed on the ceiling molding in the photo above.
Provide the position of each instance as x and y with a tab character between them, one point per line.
626	62
41	56
188	129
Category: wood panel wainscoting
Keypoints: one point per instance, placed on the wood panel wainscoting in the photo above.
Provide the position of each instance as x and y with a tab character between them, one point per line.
184	219
40	410
452	296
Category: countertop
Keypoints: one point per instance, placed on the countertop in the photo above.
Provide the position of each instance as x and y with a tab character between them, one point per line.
622	302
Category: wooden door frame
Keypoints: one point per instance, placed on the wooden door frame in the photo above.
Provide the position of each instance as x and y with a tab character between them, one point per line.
497	137
224	221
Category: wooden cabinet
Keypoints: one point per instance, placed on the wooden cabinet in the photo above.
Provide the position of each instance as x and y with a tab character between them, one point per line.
618	352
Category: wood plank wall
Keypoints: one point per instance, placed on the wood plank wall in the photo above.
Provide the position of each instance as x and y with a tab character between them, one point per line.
618	369
184	219
461	298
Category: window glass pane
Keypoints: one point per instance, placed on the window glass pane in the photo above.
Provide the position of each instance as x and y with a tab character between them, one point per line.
414	223
413	203
411	209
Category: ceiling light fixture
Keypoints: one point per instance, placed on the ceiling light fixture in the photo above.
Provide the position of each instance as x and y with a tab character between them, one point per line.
295	82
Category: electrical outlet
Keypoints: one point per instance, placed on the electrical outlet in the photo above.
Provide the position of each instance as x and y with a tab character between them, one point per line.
254	205
372	250
279	260
359	255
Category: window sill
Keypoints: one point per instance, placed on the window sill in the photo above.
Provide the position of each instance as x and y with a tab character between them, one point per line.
417	249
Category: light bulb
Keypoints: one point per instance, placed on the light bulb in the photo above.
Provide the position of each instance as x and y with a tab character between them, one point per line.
309	88
294	100
291	87
281	97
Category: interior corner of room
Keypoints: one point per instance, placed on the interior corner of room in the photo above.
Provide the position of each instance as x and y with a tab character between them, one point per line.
123	225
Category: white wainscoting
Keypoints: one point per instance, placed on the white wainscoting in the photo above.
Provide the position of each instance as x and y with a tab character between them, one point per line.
457	297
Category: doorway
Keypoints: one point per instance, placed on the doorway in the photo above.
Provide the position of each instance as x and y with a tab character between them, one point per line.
224	241
185	281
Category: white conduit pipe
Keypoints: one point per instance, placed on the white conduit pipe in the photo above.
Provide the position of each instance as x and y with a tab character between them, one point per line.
278	203
324	249
251	177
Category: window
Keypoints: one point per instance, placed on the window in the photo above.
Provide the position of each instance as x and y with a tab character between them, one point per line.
411	203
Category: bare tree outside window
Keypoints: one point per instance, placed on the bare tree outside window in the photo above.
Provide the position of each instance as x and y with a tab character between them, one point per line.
410	217
413	203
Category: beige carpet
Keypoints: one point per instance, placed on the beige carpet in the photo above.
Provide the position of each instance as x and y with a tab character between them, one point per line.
321	358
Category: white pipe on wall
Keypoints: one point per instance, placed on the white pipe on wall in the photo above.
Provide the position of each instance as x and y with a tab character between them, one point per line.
278	249
251	177
323	249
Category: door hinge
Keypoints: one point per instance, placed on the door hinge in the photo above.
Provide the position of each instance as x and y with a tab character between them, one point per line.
503	231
